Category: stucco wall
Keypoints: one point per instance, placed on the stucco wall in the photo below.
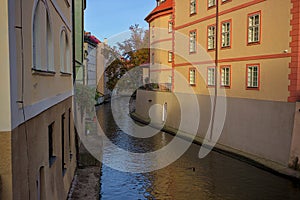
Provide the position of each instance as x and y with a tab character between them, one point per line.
261	128
56	185
5	116
5	166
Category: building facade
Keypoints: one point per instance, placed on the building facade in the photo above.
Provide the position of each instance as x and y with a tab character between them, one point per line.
249	50
161	36
37	146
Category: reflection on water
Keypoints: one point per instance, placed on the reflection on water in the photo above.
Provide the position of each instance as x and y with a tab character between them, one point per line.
214	177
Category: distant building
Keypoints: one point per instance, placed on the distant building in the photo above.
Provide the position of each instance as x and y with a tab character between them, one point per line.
257	46
37	145
90	60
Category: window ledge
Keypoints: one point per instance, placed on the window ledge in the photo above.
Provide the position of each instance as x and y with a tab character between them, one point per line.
42	72
65	74
253	43
252	88
52	160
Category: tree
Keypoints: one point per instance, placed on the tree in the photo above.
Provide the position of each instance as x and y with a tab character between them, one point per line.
128	54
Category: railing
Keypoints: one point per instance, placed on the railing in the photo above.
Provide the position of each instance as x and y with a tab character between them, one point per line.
162	87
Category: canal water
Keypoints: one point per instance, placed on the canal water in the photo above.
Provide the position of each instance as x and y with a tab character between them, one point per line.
216	177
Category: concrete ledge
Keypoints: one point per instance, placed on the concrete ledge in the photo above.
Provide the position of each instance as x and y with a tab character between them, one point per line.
264	164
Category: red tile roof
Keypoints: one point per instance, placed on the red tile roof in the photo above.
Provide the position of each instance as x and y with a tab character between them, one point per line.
165	6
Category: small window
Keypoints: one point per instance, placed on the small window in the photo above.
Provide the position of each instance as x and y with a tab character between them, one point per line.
170	56
193	8
252	76
152	58
170	26
63	164
226	28
51	144
225	76
192	76
210	76
211	3
254	28
69	134
211	37
153	31
193	36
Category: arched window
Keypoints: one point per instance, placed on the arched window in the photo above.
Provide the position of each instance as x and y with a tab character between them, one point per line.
65	64
42	38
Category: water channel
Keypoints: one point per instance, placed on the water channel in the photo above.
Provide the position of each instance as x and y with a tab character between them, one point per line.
216	177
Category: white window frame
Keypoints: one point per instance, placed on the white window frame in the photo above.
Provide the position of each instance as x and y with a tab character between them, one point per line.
193	7
211	81
226	37
192	76
254	28
193	39
253	76
170	56
211	37
211	3
225	76
170	27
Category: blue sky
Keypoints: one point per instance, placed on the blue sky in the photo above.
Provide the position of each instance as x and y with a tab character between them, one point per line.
110	19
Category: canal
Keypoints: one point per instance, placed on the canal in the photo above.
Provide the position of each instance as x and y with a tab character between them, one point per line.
216	177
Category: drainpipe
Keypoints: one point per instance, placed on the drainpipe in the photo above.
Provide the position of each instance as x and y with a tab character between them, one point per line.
216	69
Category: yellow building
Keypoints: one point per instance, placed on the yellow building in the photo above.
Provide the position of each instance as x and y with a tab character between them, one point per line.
161	35
248	50
37	146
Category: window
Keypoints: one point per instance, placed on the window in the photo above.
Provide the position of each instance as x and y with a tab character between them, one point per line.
42	45
153	58
226	28
51	144
193	36
170	26
211	3
211	37
210	76
193	8
225	76
170	56
252	76
64	53
192	76
63	164
153	31
69	134
254	28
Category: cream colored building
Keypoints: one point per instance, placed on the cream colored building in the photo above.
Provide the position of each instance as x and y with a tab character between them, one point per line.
161	57
37	146
257	47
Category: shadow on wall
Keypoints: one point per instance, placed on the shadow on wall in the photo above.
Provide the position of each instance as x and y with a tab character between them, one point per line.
0	187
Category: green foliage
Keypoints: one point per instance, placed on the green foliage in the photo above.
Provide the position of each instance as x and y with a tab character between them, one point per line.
130	53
